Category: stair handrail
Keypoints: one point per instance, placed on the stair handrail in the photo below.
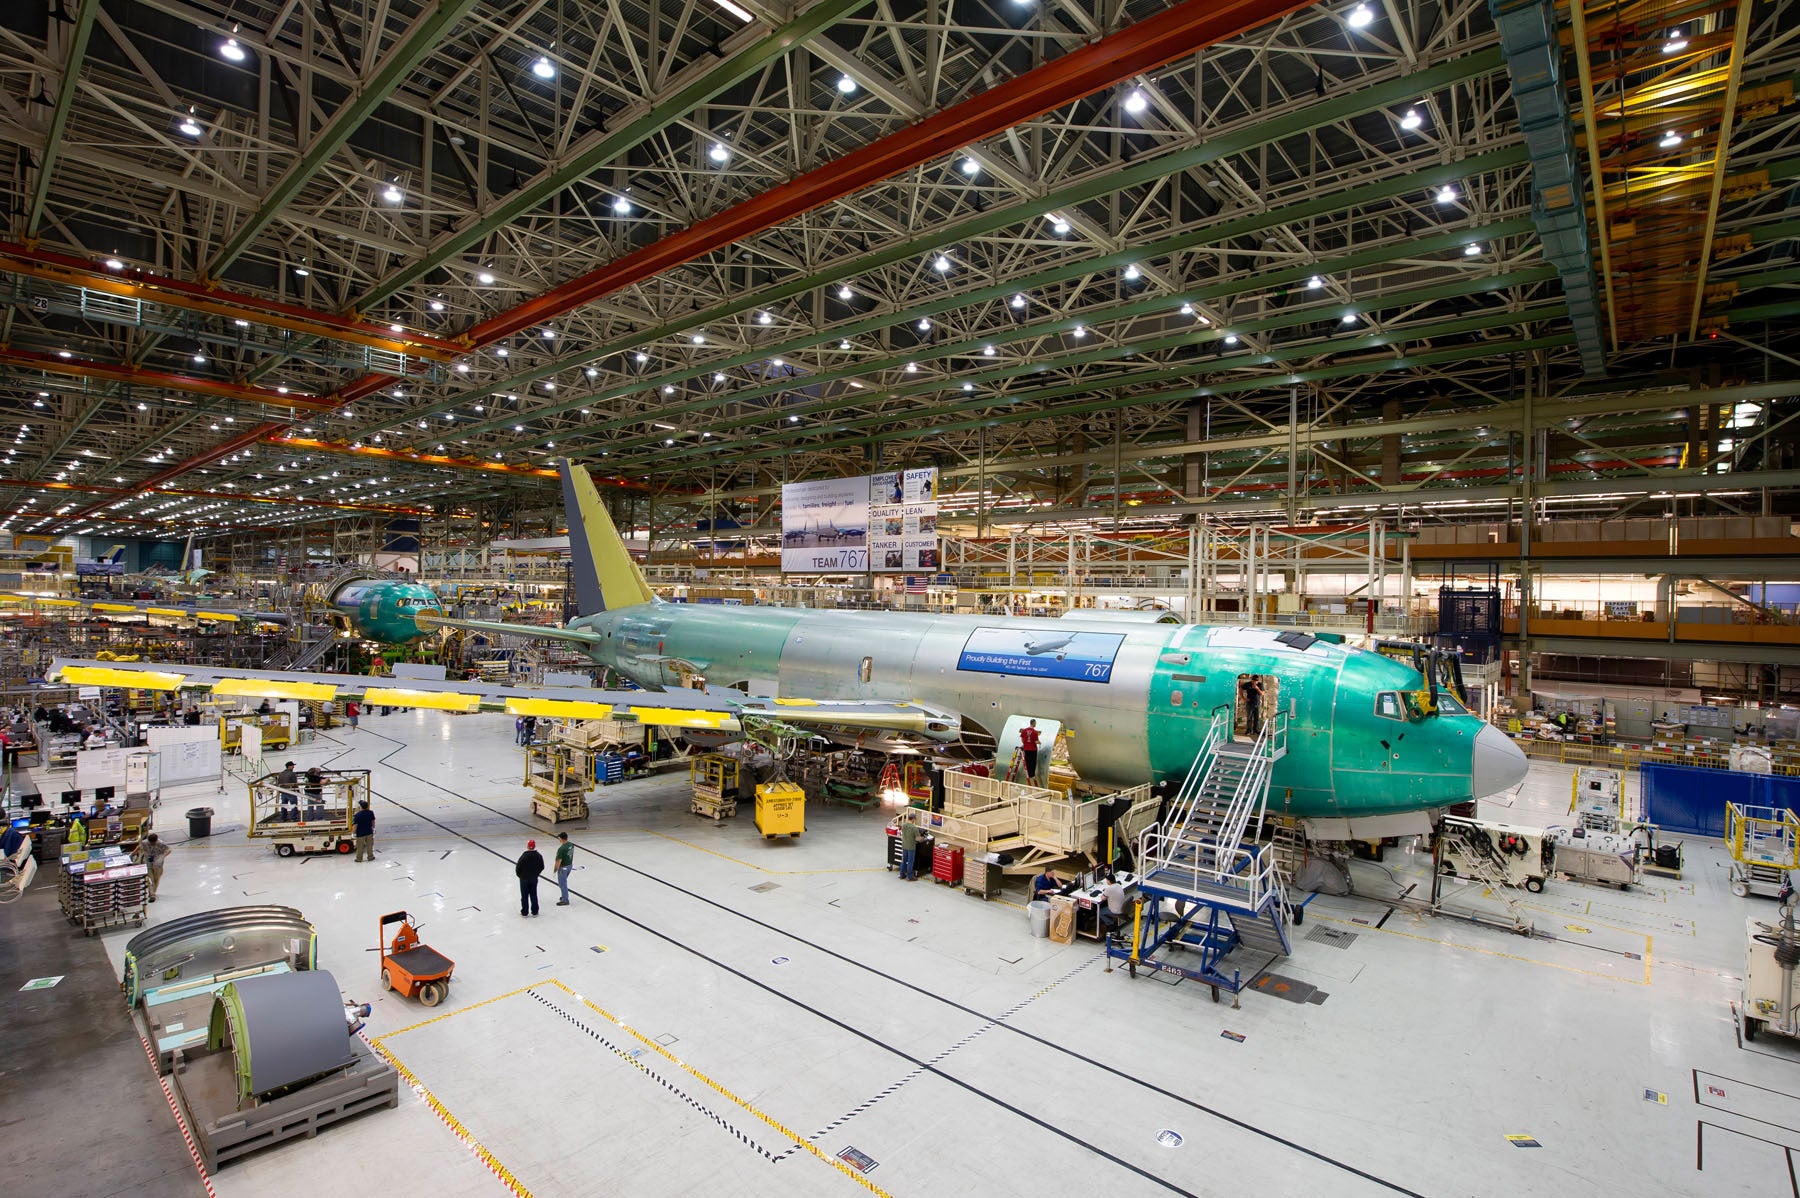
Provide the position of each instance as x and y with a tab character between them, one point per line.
1252	794
1182	809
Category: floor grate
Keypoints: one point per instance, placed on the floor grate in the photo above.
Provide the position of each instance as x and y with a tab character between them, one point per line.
1335	937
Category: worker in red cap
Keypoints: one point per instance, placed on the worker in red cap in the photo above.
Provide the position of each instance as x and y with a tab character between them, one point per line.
528	868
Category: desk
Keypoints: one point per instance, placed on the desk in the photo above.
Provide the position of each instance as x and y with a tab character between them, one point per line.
1087	904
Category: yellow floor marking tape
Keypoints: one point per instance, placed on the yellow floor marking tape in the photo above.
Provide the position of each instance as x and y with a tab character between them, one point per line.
801	1141
452	1014
1488	952
436	1104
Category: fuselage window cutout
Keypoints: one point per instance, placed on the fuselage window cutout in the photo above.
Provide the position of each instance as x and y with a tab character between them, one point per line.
866	671
1387	706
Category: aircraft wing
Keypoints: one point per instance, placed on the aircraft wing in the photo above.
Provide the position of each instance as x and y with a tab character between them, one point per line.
715	709
149	607
574	636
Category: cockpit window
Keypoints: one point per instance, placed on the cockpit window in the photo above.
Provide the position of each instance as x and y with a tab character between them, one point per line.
1387	705
1448	704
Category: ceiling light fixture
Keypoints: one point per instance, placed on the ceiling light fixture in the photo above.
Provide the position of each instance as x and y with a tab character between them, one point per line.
1446	194
1676	43
941	264
1360	17
1412	120
719	154
231	51
392	194
846	85
485	279
845	294
543	68
1670	140
971	167
761	318
622	206
190	127
1135	101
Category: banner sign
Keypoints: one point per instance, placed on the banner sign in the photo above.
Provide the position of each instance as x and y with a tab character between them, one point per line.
903	515
881	522
1041	653
825	526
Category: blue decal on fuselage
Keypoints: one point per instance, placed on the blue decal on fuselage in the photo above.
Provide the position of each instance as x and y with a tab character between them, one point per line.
1040	653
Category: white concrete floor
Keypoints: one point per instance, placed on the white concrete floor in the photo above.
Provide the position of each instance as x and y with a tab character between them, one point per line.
716	1010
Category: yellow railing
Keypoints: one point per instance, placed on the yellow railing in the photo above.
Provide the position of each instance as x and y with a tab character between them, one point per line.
1627	757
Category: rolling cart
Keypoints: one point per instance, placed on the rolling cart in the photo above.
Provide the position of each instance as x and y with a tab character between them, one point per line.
1765	845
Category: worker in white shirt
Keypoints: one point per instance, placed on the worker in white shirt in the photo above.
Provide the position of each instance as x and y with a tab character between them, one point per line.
96	738
1112	905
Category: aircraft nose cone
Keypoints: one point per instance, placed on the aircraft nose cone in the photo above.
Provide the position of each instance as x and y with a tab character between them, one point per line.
1497	764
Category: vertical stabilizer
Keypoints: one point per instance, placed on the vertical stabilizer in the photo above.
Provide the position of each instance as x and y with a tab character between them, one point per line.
605	576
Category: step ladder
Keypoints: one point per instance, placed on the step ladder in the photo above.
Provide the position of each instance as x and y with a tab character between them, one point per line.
1209	887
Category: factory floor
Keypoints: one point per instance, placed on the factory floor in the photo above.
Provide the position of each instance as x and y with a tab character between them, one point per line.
717	1011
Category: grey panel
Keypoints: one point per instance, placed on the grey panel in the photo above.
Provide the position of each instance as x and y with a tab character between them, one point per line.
296	1026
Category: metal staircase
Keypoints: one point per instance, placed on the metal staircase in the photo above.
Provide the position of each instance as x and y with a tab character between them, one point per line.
1208	887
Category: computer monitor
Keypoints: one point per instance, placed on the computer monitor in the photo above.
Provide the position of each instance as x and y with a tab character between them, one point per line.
31	800
102	795
71	798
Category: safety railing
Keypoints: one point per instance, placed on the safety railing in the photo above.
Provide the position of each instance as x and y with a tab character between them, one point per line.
1253	786
1763	835
1181	811
1189	863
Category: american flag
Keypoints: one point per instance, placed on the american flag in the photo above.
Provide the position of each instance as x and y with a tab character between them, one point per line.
915	584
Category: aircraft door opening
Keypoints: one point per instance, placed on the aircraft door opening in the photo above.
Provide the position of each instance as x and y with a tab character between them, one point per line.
1258	697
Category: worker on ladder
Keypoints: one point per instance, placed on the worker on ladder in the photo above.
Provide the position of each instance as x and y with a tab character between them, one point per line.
1029	739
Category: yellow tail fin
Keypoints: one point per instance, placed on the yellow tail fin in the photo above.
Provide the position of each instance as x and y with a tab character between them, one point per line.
605	576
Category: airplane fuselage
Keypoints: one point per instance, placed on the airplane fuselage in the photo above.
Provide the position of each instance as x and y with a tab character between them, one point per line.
1138	698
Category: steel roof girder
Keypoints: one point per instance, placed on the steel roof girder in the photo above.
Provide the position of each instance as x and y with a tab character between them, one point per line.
757	49
1236	141
413	46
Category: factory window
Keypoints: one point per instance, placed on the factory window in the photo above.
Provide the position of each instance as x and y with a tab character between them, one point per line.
866	671
1387	705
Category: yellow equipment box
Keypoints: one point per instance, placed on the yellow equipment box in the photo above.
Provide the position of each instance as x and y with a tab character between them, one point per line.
780	809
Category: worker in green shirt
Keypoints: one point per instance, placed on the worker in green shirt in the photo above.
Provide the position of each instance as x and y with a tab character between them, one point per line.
909	845
565	864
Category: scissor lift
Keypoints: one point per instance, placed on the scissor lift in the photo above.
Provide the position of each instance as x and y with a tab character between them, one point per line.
1765	845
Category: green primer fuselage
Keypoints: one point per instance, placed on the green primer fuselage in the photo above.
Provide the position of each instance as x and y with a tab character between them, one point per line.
1138	715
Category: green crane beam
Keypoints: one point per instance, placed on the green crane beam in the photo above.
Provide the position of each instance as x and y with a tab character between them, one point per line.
59	117
609	148
426	35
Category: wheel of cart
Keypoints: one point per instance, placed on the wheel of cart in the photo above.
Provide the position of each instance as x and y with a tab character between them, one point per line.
408	965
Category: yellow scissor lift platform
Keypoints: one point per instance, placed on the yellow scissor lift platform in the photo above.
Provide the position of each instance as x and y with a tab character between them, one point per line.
1765	845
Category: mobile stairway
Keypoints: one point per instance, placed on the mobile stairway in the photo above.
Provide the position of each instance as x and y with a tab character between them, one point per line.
1206	886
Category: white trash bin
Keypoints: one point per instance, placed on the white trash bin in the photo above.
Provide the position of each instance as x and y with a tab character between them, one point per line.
1039	911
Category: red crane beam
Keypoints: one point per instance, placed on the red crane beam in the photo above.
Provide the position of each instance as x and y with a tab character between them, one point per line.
132	283
117	372
1190	26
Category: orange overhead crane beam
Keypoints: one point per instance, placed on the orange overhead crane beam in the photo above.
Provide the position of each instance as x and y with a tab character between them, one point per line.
117	372
415	457
131	283
112	494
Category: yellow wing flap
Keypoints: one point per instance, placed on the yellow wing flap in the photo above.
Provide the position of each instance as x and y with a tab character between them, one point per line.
124	609
264	688
394	696
143	680
559	709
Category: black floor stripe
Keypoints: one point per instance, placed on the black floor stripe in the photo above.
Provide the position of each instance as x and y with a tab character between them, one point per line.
1160	1091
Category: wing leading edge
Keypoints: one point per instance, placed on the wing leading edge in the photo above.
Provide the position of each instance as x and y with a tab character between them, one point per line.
713	710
